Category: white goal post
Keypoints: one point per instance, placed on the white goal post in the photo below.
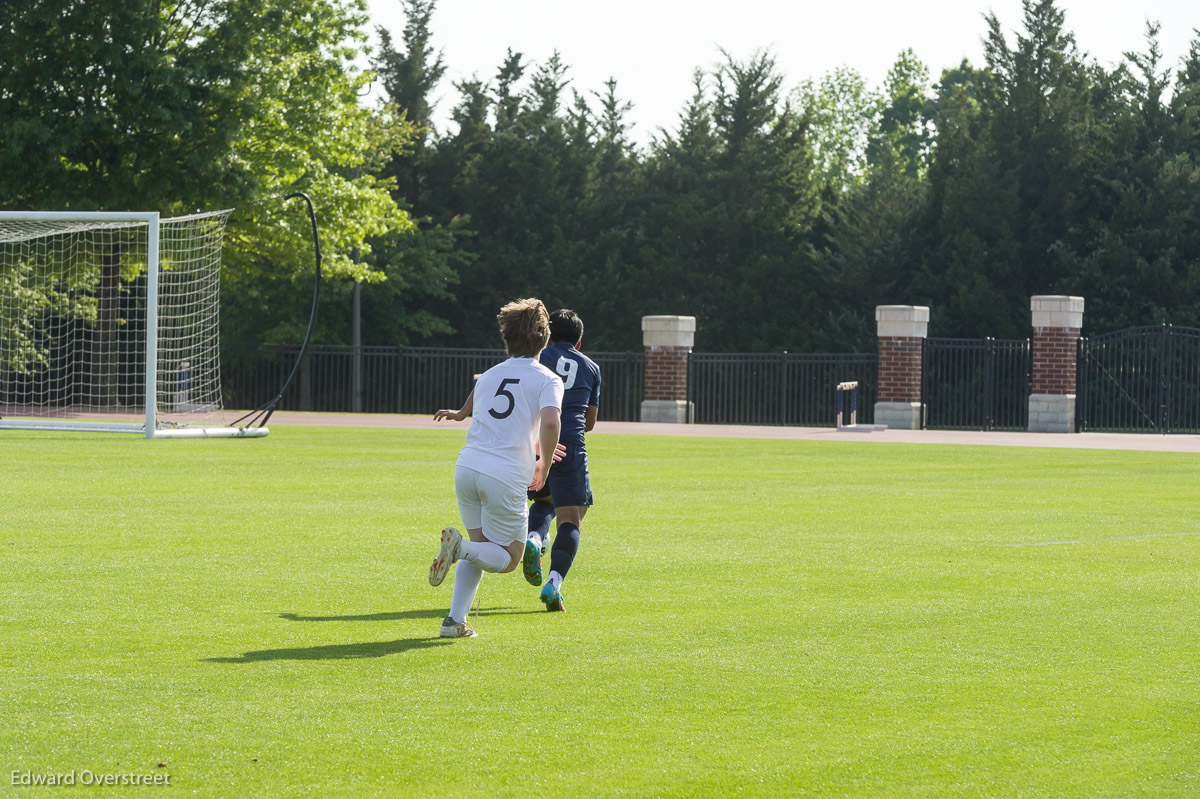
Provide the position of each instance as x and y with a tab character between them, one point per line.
109	323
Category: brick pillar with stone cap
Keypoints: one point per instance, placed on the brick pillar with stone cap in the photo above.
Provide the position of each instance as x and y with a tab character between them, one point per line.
668	341
1057	326
901	330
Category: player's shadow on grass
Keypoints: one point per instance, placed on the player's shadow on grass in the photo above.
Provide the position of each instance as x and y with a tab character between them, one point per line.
428	613
370	649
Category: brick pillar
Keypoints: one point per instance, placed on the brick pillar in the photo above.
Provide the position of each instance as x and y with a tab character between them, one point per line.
1057	326
668	342
901	330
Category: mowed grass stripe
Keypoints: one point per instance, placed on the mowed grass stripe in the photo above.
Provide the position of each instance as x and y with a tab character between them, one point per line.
759	617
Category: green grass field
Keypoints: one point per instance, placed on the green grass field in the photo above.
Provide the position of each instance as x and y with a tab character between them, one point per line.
765	618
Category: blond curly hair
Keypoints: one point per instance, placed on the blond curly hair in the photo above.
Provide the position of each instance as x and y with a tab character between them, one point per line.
525	327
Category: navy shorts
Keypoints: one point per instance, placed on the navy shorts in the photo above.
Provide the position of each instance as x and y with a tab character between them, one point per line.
568	481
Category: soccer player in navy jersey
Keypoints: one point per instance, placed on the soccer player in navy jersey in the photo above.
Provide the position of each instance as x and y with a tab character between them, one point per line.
570	490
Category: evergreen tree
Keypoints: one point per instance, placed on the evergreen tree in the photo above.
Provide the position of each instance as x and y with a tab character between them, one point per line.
420	267
1137	257
1017	149
607	225
732	204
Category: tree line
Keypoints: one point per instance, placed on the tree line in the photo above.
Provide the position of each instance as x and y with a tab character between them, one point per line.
778	216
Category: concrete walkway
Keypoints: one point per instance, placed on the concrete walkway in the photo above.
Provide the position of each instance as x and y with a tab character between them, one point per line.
1118	441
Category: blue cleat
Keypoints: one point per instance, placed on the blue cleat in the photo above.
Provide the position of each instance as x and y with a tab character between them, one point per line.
551	597
531	564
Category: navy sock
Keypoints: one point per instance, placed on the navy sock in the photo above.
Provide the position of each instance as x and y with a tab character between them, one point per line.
566	544
540	516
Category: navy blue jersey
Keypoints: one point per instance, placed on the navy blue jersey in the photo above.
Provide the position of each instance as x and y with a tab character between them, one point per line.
581	388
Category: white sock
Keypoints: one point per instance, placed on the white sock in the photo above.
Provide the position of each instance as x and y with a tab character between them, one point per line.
536	540
486	555
555	578
466	584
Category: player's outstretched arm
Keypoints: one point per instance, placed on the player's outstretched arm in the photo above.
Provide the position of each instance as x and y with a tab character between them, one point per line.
551	424
460	414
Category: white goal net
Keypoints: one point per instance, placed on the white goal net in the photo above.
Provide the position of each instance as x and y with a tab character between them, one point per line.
109	321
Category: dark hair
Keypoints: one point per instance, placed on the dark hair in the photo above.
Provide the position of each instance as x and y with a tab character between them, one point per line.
524	327
565	325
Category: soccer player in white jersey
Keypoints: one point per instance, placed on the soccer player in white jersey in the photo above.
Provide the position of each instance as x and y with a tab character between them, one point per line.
515	412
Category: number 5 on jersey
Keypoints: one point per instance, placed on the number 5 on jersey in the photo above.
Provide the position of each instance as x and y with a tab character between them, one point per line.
503	391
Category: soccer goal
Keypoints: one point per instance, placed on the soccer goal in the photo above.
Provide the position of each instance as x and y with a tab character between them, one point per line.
109	323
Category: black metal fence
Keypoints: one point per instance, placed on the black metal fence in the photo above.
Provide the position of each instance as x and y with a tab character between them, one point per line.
1140	380
623	384
778	388
976	384
397	379
1137	380
782	388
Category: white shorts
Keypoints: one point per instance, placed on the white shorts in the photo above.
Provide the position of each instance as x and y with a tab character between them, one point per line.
499	509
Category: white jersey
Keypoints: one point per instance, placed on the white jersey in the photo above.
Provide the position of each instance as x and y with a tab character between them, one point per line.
508	402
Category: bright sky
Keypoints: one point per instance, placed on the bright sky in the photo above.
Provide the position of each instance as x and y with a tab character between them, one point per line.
652	47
